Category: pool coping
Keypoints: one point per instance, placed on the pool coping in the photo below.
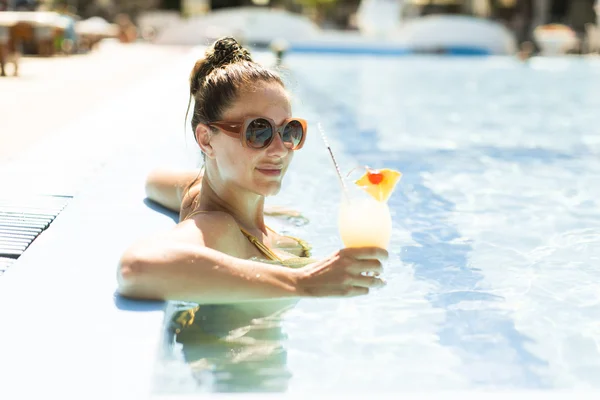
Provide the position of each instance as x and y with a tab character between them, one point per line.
69	332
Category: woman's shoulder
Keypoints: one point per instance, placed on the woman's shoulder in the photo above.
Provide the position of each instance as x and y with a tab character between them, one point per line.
212	221
215	229
203	215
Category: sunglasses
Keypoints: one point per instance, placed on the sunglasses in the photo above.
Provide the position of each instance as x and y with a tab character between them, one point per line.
258	132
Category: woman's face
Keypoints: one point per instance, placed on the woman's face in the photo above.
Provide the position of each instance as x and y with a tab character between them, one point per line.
259	171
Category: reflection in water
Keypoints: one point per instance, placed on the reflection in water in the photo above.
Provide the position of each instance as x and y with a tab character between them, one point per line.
233	348
228	350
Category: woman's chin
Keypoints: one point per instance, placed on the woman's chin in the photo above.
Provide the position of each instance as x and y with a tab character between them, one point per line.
269	188
272	193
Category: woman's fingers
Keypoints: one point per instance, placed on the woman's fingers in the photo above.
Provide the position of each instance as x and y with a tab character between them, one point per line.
349	272
367	281
346	291
373	266
355	285
365	253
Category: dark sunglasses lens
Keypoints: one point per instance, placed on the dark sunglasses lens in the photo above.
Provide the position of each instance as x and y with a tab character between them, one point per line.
259	133
292	134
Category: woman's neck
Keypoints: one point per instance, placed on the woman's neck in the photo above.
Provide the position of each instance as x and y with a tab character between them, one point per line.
246	207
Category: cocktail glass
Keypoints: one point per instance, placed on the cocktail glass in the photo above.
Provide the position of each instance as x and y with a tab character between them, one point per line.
363	221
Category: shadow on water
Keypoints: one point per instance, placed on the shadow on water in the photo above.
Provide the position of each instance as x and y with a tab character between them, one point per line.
163	210
126	304
483	335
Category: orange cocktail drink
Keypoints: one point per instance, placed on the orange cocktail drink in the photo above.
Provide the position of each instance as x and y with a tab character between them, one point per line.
364	218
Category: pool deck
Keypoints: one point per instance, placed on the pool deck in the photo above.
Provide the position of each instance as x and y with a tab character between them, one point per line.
51	92
68	331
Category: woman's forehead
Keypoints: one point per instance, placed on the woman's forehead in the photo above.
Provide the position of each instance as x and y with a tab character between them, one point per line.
265	100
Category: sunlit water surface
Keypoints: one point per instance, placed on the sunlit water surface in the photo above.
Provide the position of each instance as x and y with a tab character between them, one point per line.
494	276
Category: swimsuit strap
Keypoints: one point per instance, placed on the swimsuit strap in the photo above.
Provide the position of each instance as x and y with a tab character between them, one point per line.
306	248
190	215
259	245
263	249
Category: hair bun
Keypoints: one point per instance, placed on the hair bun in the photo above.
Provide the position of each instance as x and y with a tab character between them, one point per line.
225	51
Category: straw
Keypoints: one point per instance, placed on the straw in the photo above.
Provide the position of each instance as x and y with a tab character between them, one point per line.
337	167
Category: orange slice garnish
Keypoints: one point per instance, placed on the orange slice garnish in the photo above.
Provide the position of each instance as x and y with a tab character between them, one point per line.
379	183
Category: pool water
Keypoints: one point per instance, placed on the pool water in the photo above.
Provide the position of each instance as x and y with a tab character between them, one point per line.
494	275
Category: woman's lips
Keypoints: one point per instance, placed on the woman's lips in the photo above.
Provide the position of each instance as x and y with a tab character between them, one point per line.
270	171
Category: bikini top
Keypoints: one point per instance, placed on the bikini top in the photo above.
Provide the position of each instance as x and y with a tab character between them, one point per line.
267	252
184	320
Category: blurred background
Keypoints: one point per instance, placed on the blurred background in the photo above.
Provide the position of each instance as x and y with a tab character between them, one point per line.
44	44
46	27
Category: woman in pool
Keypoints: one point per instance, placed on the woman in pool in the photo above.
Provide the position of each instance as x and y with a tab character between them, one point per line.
221	252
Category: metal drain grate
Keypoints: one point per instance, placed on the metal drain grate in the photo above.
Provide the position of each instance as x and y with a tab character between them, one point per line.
22	219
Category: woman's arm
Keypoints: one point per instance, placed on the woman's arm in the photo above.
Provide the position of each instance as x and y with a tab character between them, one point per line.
199	274
186	265
168	187
191	263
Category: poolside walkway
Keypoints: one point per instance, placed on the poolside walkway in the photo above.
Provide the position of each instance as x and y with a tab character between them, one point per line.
65	117
128	122
51	92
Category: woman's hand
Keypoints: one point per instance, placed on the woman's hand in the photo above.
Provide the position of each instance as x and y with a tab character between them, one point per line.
341	274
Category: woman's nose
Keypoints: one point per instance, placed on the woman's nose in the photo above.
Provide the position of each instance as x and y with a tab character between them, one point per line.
277	146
